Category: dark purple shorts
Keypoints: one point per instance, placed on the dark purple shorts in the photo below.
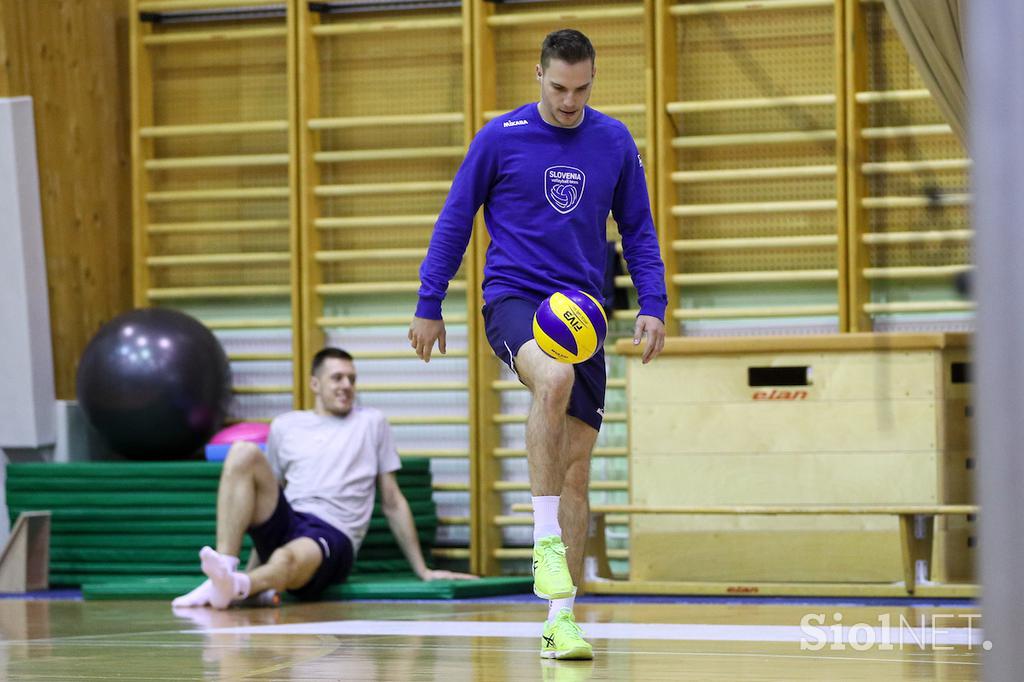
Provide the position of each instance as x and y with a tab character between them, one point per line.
508	323
285	525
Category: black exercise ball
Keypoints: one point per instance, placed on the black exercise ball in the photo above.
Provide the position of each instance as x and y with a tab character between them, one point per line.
155	383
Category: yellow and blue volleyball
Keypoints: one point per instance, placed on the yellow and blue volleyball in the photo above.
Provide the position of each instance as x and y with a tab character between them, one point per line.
570	326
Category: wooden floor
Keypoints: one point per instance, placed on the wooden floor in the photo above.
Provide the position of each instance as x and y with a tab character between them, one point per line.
492	640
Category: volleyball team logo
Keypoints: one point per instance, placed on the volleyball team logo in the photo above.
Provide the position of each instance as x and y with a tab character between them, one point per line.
563	187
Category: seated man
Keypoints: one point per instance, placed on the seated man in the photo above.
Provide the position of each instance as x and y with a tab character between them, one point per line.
307	502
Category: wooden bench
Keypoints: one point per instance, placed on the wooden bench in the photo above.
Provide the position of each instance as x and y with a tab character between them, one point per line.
916	526
25	559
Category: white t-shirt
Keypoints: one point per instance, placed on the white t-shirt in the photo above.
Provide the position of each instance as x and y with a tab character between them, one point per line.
329	465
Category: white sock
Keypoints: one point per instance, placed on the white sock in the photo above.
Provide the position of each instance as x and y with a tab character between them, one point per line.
556	605
545	517
201	597
226	583
202	594
209	554
197	597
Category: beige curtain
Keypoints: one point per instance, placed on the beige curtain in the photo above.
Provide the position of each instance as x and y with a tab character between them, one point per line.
933	31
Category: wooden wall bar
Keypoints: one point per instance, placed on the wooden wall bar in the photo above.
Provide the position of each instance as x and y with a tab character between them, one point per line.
750	164
216	187
384	121
908	190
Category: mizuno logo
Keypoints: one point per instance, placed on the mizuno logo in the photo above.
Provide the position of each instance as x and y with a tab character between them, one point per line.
513	124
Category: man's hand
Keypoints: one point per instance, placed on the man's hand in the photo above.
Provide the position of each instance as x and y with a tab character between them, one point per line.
422	335
654	329
431	574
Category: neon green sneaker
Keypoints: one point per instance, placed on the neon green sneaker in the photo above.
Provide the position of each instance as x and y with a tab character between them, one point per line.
563	639
551	579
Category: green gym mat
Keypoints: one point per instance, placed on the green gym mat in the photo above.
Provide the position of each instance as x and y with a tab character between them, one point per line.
398	586
410	587
125	470
75	574
120	470
78	572
117	521
187	554
58	484
425	518
134	500
375	538
100	515
61	483
62	500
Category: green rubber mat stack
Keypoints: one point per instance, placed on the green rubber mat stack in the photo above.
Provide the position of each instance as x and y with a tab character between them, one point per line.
117	521
364	586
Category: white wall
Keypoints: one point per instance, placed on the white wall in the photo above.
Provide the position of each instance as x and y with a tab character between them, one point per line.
26	359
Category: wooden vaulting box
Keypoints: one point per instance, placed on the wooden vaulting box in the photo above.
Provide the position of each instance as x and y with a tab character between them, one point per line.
845	419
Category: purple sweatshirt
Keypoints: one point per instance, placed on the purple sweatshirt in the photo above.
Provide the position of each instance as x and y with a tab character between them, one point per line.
546	193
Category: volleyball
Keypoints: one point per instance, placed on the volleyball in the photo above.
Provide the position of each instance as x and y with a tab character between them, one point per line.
570	326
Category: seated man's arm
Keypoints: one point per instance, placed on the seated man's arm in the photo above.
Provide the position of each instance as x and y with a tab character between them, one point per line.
396	509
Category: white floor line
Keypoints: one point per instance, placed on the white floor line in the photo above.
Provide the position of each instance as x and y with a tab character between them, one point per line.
908	637
905	657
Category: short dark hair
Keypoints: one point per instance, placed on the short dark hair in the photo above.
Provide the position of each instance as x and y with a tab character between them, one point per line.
569	45
328	352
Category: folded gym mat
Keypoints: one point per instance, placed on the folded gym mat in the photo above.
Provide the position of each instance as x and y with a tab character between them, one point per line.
72	573
57	500
113	521
146	469
146	540
398	586
97	519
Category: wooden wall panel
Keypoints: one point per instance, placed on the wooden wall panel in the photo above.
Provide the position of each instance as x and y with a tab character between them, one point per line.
8	47
216	176
750	161
379	154
71	57
909	198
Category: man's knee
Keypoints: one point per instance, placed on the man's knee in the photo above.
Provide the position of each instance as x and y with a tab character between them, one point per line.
284	557
554	386
243	457
299	560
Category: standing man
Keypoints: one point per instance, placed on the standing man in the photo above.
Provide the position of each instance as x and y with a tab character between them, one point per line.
307	503
547	175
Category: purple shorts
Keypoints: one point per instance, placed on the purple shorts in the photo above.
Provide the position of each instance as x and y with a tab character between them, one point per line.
285	525
508	323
